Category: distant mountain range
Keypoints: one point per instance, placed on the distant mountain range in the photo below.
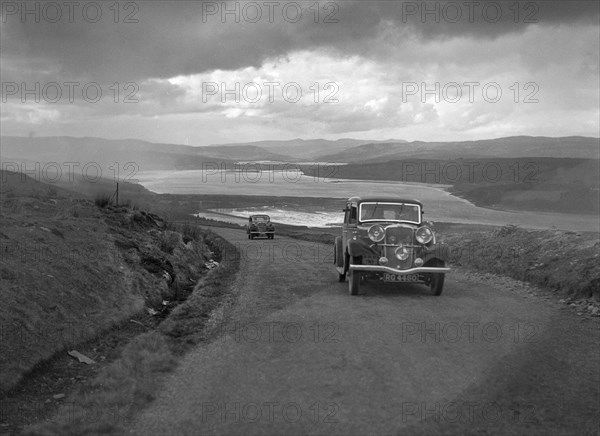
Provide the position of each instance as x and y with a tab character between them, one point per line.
509	147
154	156
309	148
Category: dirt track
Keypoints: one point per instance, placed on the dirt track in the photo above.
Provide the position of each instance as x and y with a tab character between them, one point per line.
298	355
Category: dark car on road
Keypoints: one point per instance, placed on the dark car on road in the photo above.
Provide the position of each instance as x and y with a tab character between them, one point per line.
260	225
385	239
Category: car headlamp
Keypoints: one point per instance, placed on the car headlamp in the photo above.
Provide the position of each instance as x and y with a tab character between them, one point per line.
376	233
424	235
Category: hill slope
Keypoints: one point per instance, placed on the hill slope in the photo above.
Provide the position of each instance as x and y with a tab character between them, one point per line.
105	152
71	270
306	149
510	147
541	184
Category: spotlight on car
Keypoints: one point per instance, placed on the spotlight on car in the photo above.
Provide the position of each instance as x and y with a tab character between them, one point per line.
402	253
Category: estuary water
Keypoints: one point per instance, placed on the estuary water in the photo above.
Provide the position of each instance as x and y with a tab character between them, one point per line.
439	204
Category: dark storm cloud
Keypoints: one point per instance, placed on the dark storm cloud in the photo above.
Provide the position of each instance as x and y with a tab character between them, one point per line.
179	38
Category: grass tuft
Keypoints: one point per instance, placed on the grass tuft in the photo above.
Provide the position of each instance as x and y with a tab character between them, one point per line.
103	200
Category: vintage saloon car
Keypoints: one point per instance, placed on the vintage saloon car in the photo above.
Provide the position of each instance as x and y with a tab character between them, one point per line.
260	225
386	239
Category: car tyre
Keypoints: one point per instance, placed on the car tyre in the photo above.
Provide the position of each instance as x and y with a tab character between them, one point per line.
338	255
437	283
353	282
354	279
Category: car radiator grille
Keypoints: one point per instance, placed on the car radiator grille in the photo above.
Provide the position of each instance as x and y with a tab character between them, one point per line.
262	227
396	236
399	235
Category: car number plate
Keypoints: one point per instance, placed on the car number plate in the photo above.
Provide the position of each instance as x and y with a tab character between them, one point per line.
404	278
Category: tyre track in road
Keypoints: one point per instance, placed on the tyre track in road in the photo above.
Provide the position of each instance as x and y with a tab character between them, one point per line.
299	356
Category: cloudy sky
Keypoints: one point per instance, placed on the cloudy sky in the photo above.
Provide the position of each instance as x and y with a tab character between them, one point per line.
198	73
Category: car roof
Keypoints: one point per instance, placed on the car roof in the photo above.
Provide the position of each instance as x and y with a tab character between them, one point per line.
259	215
384	200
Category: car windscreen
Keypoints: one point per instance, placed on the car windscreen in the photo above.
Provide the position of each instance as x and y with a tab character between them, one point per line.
400	212
260	219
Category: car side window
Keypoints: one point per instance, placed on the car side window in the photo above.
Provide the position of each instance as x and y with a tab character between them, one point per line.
352	217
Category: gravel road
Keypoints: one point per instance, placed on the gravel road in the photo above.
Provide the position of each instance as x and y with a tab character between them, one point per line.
298	355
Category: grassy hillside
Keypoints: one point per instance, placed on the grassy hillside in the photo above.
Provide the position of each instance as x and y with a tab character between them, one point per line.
509	147
564	262
71	269
543	184
113	156
306	149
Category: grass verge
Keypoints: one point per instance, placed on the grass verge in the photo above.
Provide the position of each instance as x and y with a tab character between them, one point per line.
562	261
125	386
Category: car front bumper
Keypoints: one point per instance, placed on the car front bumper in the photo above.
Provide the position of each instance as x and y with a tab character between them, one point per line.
381	268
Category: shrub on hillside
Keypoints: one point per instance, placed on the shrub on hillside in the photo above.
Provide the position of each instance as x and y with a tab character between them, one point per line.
103	200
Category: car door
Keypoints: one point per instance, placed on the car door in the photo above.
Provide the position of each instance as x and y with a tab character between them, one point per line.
350	223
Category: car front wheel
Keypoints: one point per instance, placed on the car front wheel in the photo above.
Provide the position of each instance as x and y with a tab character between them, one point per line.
354	279
353	282
437	283
341	269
